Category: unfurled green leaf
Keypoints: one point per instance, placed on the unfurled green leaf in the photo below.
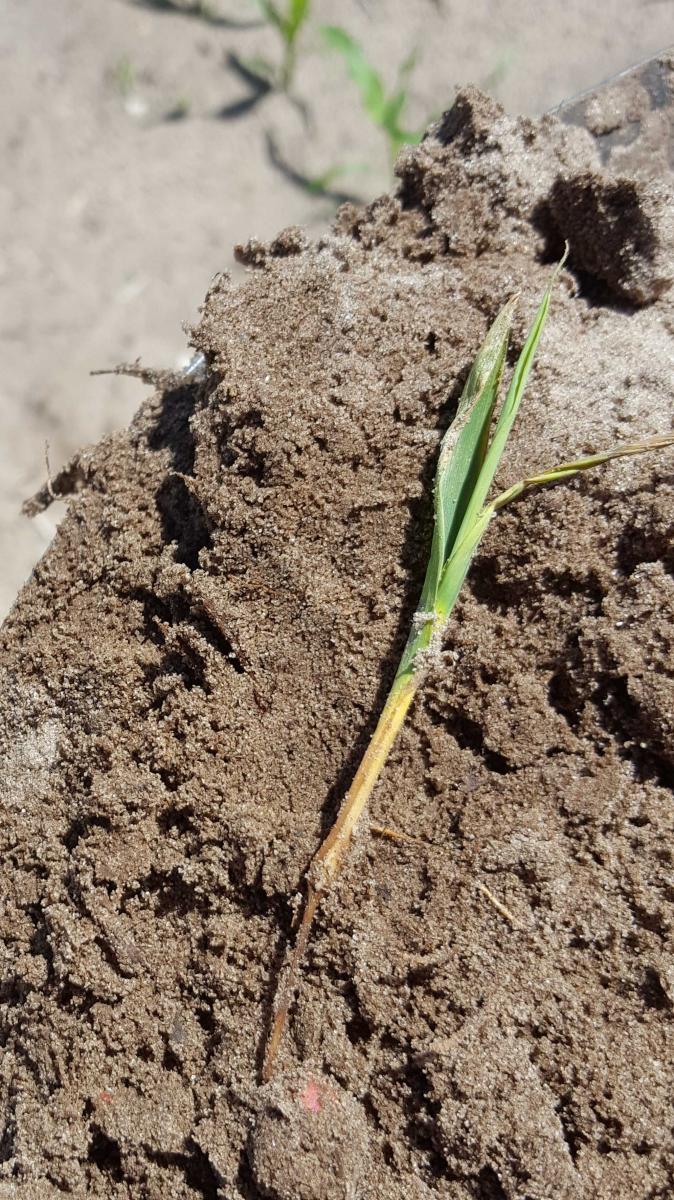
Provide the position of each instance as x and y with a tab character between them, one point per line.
567	470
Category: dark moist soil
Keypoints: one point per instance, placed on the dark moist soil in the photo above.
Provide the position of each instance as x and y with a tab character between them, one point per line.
195	666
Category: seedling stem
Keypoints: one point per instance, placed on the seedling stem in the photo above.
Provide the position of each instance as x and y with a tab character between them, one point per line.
469	456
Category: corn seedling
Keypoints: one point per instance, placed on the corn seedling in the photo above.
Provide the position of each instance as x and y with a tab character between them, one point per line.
288	21
470	453
384	110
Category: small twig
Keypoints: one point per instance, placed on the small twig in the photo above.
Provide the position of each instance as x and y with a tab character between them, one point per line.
153	376
394	835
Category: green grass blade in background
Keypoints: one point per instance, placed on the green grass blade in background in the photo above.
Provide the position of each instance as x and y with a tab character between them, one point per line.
297	15
271	14
385	111
366	79
395	105
393	109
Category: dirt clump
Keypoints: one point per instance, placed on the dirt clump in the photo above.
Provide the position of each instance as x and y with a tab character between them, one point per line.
194	668
621	231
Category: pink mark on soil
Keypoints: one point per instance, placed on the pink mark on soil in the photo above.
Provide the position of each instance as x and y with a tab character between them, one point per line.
311	1098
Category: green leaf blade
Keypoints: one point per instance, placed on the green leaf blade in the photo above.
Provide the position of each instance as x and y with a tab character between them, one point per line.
567	470
457	565
392	112
460	461
512	402
467	464
297	15
463	449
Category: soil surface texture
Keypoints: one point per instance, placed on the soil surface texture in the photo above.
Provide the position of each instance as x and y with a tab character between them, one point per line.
134	157
193	670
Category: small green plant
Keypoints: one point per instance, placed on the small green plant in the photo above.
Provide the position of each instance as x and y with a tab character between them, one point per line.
288	21
124	77
384	110
470	453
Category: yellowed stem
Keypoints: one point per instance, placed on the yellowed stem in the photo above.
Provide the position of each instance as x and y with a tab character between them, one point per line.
329	858
330	855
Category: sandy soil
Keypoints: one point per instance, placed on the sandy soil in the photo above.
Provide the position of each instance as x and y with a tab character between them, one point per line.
114	220
193	669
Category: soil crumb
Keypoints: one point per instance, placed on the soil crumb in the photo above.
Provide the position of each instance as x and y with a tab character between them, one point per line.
193	670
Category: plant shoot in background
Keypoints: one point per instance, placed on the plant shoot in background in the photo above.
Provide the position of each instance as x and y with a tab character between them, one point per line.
384	110
288	19
470	454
